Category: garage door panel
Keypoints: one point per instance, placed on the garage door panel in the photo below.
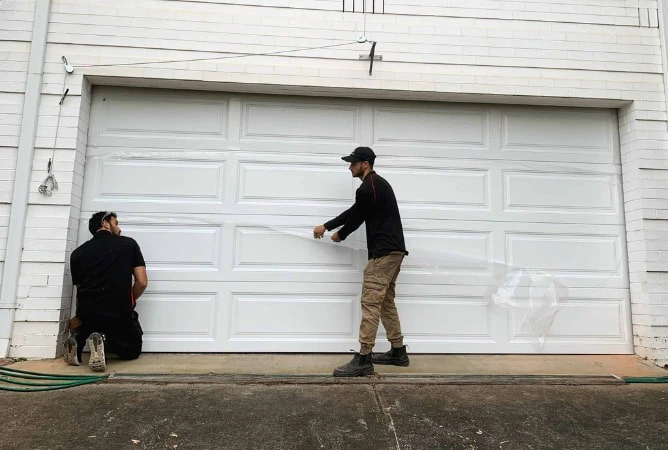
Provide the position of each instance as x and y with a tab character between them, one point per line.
179	247
294	183
185	321
509	191
445	317
577	319
477	251
270	249
293	316
159	181
581	135
561	192
435	130
305	122
444	188
158	119
316	316
163	118
575	254
447	250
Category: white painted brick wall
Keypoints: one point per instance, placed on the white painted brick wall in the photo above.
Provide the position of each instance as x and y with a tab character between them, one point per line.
558	52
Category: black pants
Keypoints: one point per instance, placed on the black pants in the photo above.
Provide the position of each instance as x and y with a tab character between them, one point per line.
123	337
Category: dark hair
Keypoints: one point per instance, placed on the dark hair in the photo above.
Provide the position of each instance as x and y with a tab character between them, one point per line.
95	221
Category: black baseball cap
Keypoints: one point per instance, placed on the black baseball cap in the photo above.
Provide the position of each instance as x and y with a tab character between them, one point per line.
360	154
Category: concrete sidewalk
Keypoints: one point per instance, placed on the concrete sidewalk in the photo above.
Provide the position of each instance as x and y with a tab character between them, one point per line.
300	365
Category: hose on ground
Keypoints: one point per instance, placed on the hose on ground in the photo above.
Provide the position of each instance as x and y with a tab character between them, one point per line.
42	381
646	379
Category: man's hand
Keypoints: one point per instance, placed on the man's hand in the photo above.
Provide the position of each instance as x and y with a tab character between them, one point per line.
335	237
74	323
319	231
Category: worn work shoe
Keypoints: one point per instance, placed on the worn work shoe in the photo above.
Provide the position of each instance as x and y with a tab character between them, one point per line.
360	366
97	361
395	357
71	351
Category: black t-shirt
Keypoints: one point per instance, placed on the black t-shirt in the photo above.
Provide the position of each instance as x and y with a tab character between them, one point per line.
102	270
375	205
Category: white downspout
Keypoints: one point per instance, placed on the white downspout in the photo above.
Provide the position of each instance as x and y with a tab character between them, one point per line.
663	20
17	217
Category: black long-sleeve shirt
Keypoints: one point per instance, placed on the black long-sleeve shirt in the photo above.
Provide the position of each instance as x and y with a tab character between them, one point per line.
102	270
376	205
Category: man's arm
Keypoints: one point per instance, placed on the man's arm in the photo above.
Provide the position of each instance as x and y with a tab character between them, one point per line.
338	220
141	281
319	231
139	272
355	219
355	215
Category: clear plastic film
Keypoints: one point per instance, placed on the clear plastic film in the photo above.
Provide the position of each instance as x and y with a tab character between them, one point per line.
530	295
538	309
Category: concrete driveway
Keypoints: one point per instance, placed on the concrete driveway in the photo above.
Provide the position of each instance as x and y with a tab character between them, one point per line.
345	416
291	402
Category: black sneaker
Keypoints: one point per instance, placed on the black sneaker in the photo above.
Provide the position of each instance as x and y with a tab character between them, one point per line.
360	366
71	351
394	357
97	361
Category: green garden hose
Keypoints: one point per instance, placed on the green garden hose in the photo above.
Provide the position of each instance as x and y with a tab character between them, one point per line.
646	379
42	381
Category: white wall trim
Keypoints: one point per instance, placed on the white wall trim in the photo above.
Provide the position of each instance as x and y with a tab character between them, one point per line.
355	92
17	218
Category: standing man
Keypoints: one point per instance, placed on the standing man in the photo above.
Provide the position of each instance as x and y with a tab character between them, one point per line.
376	205
103	270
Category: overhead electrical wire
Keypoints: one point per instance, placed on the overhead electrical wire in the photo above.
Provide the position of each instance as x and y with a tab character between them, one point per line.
214	58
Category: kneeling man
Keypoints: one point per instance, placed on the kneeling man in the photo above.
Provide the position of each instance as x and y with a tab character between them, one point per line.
103	269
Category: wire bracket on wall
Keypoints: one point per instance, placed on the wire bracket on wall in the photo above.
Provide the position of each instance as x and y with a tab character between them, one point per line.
372	56
49	184
62	97
69	68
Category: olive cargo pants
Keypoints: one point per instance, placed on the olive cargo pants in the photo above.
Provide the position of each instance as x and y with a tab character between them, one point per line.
380	276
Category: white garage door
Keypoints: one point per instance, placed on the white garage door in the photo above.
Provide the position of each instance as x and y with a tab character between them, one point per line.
208	182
